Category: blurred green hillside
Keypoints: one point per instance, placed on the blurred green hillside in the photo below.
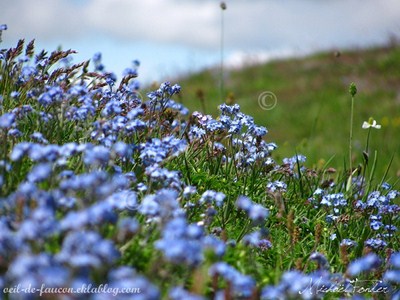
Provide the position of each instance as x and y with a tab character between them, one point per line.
312	113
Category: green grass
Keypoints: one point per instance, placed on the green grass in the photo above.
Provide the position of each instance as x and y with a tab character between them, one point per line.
312	115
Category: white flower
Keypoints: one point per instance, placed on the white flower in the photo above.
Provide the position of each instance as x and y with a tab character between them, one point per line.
371	123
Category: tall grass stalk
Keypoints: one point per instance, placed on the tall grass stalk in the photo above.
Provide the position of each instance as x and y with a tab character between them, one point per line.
353	92
223	7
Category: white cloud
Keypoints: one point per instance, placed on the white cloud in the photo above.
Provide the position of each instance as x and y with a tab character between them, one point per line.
248	24
254	30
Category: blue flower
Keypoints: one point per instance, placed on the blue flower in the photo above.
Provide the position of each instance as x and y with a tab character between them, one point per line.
196	132
30	270
214	126
393	194
123	200
112	107
87	249
376	244
97	62
256	212
255	239
242	285
395	260
15	94
7	120
292	161
364	264
375	222
163	204
38	137
40	172
179	244
215	244
392	276
335	200
229	110
41	224
26	73
272	293
127	227
188	191
179	293
124	278
348	243
244	203
123	150
98	155
52	95
258	131
375	199
276	186
212	196
320	259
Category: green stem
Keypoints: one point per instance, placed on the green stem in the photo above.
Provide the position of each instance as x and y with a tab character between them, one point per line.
349	182
222	55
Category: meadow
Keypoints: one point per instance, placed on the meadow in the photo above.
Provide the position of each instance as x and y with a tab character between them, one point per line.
311	110
109	191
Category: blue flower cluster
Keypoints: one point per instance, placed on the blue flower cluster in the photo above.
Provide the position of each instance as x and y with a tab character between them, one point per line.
99	186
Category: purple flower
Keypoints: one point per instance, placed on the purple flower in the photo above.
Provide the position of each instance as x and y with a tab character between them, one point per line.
3	27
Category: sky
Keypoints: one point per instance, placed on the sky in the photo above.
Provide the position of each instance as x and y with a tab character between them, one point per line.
172	38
